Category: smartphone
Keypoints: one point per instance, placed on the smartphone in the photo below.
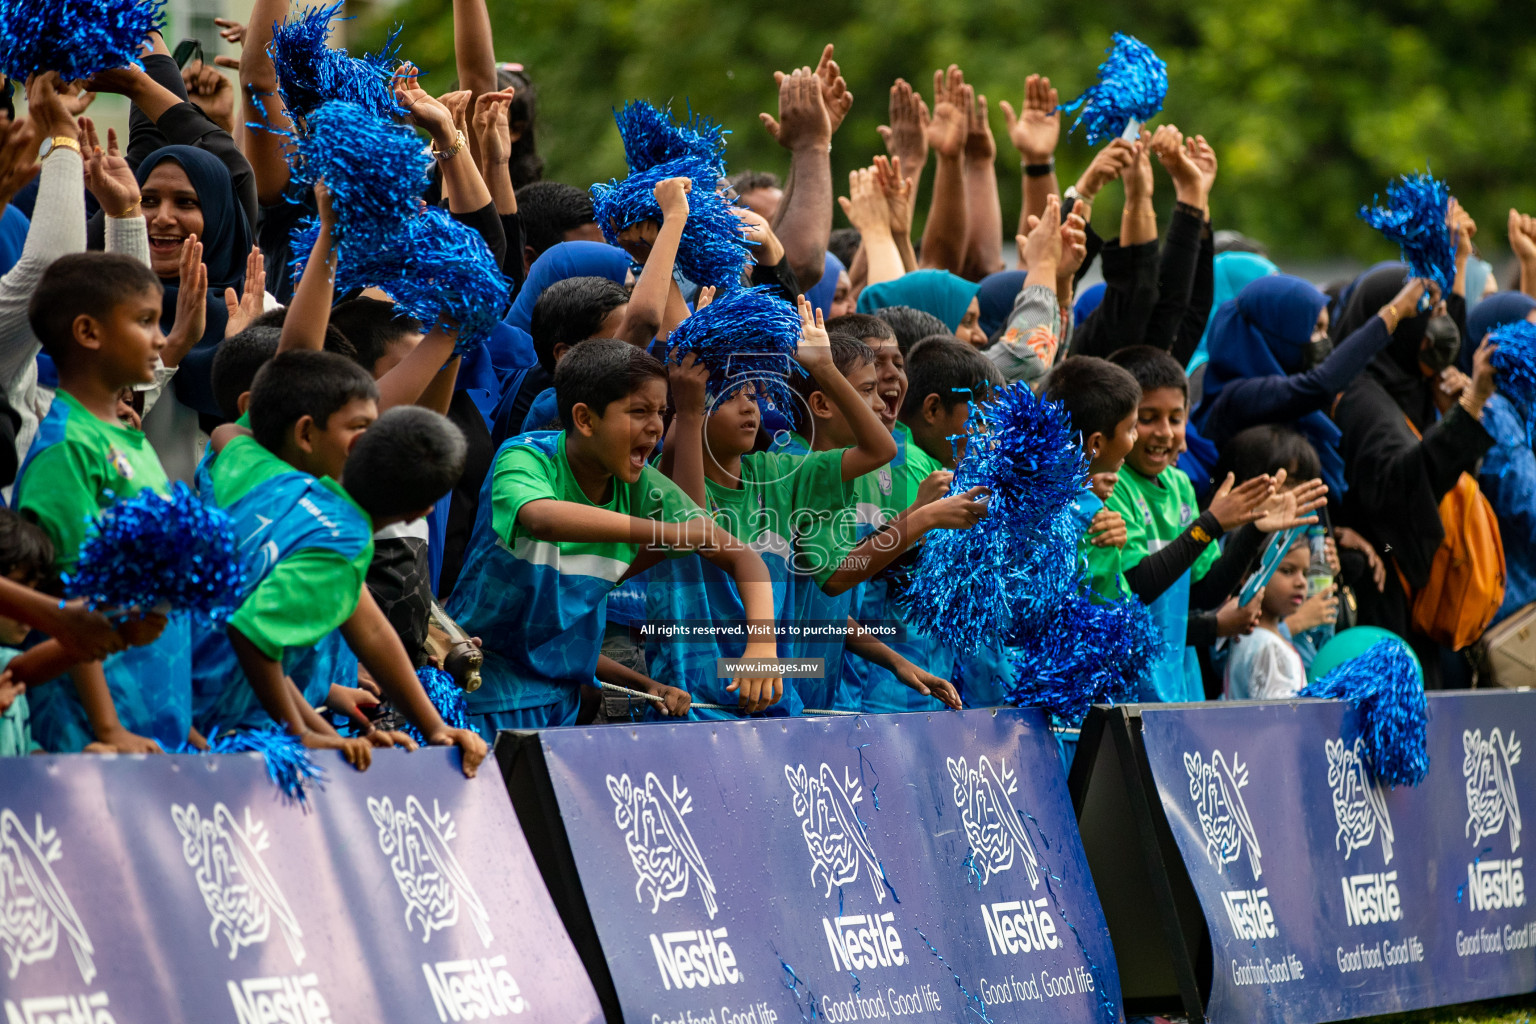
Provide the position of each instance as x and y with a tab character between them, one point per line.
187	51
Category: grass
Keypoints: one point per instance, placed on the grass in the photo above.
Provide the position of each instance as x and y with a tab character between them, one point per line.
1513	1010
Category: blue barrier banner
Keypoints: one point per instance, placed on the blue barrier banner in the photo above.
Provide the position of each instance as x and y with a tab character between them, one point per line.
1330	896
917	867
184	888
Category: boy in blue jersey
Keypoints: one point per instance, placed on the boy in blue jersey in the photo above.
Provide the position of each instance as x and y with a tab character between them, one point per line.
98	316
307	543
563	518
781	504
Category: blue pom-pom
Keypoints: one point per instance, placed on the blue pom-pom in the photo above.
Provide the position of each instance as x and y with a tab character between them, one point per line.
1414	219
154	552
747	336
1133	82
310	71
1393	714
712	250
375	169
446	696
1515	362
652	137
76	38
977	587
1083	652
289	765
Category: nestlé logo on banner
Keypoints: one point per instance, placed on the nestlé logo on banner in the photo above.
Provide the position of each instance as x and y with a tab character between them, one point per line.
436	888
668	863
839	848
1216	790
243	900
1360	813
35	913
994	828
1493	883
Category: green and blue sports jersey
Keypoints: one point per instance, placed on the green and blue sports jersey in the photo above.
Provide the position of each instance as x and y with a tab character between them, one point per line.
202	477
1156	510
1106	577
306	547
77	466
538	606
821	619
779	494
878	690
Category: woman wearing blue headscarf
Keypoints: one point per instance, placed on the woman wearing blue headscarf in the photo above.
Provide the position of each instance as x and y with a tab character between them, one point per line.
1507	475
558	262
947	296
1231	272
1270	364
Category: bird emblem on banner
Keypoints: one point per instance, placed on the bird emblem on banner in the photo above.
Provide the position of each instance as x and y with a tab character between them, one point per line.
660	846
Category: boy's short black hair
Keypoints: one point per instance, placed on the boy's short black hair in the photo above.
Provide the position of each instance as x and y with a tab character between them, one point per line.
409	458
861	326
236	363
949	368
912	325
304	383
335	341
844	244
1097	394
1268	449
601	371
371	326
1153	368
572	310
750	181
848	353
84	284
549	209
24	546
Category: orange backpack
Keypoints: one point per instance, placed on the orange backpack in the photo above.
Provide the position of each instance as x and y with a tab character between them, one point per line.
1466	577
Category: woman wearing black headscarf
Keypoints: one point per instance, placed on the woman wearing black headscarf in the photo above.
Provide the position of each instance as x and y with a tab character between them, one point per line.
1406	441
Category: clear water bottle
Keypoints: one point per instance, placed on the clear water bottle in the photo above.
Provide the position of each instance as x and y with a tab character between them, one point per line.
1319	576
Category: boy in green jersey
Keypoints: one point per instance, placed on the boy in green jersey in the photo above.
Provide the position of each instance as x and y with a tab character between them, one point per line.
98	316
563	519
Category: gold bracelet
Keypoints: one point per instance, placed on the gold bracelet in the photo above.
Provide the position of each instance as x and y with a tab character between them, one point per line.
453	150
132	211
1392	323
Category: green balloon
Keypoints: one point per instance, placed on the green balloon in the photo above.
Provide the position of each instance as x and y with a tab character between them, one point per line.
1350	644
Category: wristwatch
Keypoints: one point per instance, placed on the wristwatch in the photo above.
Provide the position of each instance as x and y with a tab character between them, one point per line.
56	143
453	150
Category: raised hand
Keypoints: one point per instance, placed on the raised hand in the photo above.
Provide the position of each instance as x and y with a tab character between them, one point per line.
457	103
422	110
247	306
834	90
1074	246
191	304
906	137
688	379
864	206
1287	509
1137	176
493	125
898	193
1041	248
1204	157
767	250
1188	183
815	346
107	174
230	31
980	146
1107	164
1036	132
211	93
672	196
947	130
803	119
47	110
1238	506
1522	235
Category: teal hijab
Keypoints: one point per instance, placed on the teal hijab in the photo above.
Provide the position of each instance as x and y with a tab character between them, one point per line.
1233	272
939	292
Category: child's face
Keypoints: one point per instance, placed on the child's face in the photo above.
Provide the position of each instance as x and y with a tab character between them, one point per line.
625	434
1287	588
731	429
865	380
946	425
131	340
1159	430
1114	448
330	445
13	633
890	378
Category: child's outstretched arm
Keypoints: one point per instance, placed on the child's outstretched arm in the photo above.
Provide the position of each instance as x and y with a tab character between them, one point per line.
874	446
88	634
746	567
674	702
91	684
683	457
309	313
278	699
863	643
877	551
377	645
422	370
647	309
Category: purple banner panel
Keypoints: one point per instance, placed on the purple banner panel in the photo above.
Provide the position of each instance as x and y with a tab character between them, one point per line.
1330	896
917	867
186	889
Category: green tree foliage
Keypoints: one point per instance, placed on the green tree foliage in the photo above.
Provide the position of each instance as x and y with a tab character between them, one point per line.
1312	105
